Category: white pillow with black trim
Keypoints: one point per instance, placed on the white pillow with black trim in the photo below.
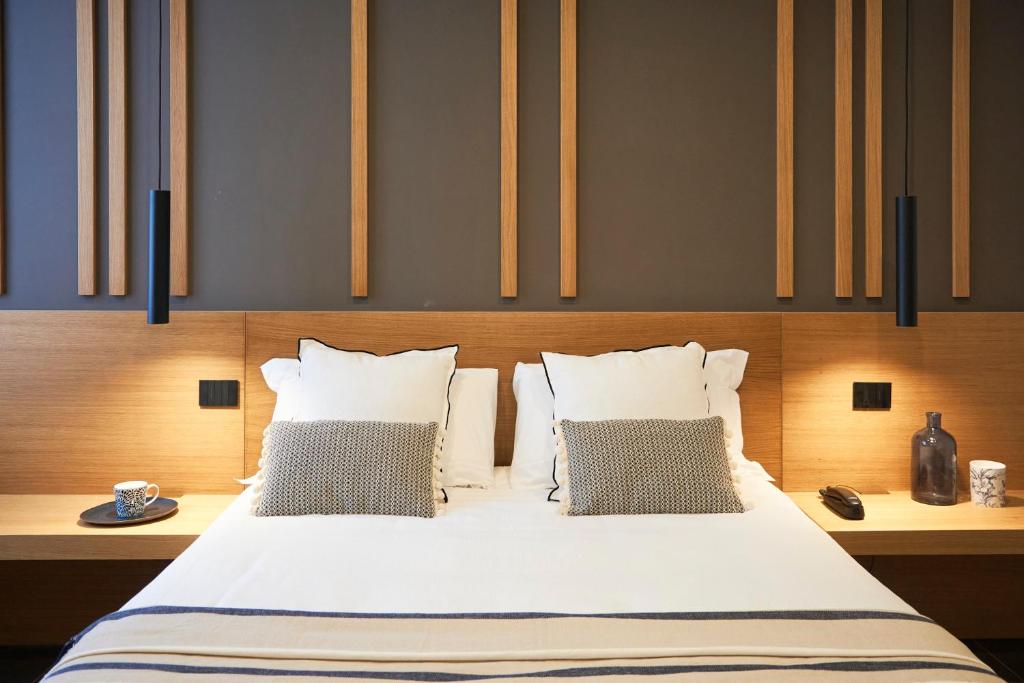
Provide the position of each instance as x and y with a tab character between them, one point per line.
340	391
409	386
664	382
534	440
468	455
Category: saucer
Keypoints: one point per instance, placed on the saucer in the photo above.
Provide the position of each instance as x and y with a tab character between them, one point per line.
106	514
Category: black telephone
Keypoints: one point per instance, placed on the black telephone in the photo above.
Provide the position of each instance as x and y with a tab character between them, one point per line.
844	501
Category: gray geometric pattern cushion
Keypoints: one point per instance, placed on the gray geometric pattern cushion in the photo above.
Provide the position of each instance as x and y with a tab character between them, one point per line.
334	467
638	467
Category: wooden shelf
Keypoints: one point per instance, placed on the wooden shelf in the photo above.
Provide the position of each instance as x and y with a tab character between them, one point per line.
894	524
46	527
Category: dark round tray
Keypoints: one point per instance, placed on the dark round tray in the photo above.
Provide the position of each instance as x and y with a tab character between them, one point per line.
106	514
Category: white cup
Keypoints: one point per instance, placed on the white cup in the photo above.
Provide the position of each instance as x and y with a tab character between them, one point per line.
131	498
988	483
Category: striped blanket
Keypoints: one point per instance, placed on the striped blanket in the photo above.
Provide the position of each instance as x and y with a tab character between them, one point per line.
225	644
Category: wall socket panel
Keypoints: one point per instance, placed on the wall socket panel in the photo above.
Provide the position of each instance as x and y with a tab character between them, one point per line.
872	395
218	393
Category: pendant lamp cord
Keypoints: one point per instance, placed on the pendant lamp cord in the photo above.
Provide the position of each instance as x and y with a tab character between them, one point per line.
160	96
906	105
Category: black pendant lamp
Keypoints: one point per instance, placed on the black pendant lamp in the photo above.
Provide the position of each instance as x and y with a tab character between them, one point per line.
906	214
158	310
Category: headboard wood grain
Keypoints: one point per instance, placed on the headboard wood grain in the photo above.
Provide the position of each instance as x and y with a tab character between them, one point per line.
91	398
501	339
968	366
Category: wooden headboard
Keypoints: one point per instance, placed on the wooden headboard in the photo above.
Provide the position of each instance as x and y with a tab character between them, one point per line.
89	398
500	340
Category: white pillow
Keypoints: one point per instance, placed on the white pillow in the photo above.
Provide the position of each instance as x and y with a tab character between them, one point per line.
534	440
282	376
532	465
664	382
723	371
411	386
468	455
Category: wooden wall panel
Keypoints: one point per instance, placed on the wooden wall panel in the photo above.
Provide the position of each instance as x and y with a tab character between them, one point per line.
844	148
509	147
93	398
85	23
567	141
961	193
966	365
117	149
873	148
784	150
500	339
360	181
180	204
119	398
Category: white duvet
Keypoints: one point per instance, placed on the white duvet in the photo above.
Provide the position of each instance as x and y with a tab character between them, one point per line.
509	550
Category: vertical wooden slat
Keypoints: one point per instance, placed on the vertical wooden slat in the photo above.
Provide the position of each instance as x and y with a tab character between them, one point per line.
359	150
85	18
117	150
3	178
179	148
784	149
567	137
873	148
961	148
509	147
844	148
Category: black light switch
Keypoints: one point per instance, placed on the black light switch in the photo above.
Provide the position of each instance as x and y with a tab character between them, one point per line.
872	395
218	393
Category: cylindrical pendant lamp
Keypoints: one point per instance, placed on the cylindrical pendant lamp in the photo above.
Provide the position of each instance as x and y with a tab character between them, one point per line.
158	308
906	261
906	211
159	257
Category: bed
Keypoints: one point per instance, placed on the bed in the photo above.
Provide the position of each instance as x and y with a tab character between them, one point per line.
503	587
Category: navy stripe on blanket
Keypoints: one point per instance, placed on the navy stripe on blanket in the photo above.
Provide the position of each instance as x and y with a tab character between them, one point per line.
857	666
799	615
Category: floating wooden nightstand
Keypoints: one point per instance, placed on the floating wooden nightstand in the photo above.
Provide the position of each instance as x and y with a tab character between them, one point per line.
46	527
894	524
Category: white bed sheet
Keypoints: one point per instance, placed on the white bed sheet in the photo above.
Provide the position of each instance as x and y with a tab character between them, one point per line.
509	550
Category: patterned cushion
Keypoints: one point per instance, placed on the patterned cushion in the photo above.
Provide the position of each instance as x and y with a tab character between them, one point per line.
334	467
637	467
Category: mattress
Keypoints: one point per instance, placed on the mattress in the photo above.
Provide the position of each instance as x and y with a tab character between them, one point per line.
501	586
502	549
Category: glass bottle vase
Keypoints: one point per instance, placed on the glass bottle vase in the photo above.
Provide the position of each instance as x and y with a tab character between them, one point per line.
933	464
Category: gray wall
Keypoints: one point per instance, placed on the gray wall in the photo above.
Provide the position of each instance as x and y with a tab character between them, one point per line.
676	158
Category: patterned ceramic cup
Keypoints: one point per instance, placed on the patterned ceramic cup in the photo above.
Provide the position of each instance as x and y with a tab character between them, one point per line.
130	498
988	483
